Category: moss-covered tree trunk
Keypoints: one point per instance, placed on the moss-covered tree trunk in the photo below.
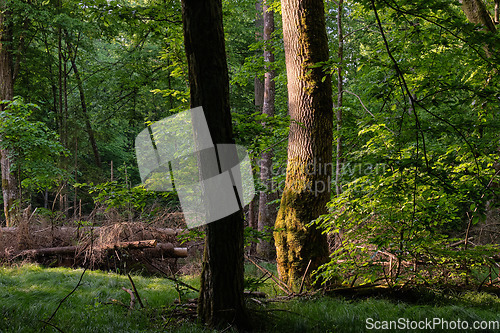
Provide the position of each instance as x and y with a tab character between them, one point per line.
309	169
221	299
9	184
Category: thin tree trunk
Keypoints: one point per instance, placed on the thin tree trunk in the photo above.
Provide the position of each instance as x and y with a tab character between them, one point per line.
267	212
308	176
258	82
497	11
253	207
88	126
75	199
221	299
60	83
340	96
10	190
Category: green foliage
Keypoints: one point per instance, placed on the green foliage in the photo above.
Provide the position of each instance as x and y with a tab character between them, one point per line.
251	235
255	236
195	234
395	204
131	199
418	170
33	148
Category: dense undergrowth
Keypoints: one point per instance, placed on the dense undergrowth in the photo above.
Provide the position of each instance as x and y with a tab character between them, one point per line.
30	294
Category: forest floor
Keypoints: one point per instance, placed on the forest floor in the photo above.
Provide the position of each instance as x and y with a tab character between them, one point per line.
38	299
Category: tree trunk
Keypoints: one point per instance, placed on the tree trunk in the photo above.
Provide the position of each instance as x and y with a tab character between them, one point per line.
497	11
253	207
476	12
340	95
267	213
10	191
221	299
309	170
88	126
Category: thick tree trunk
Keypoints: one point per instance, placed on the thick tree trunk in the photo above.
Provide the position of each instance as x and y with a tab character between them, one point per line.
10	191
221	294
302	248
267	212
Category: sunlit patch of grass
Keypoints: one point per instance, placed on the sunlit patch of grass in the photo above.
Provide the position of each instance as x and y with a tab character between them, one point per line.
30	294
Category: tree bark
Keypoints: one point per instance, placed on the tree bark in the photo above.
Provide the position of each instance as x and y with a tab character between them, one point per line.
340	97
253	207
497	11
10	190
150	248
267	212
309	169
221	299
476	12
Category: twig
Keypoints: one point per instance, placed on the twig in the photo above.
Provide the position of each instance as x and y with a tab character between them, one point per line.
52	325
304	277
256	301
64	299
115	301
135	291
460	242
278	282
360	101
171	278
132	297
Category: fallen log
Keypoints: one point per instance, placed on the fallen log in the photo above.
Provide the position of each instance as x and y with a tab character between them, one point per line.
166	249
155	249
165	231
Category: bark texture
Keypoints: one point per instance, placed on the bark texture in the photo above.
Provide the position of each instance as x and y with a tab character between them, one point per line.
476	12
267	212
221	299
309	169
9	184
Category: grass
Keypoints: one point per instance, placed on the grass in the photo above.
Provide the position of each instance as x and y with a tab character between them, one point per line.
30	294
